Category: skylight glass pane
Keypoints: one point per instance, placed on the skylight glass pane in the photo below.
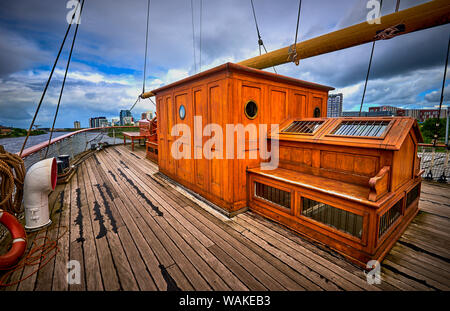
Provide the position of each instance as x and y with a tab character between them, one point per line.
361	128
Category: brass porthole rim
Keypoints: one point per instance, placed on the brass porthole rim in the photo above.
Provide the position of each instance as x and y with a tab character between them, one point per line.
320	112
245	109
179	112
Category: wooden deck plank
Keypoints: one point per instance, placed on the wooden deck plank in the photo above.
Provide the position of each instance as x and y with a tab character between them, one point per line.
190	216
324	268
30	283
197	240
214	280
91	257
425	258
45	274
139	210
126	277
76	233
138	267
271	282
161	253
59	282
327	254
144	261
412	272
437	274
265	278
153	253
106	263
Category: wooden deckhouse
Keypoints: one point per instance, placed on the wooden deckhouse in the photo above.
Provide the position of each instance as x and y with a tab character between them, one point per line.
350	183
228	94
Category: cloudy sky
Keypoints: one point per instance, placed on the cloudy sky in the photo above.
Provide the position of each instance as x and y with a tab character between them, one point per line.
107	65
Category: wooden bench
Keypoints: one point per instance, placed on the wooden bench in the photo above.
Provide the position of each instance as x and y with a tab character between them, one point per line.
337	185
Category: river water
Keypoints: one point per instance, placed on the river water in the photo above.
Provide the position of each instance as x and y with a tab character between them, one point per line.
13	144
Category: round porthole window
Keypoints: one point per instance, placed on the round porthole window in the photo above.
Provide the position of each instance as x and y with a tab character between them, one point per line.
182	112
251	109
317	112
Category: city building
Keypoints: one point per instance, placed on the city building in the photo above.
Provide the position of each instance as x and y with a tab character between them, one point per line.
98	122
353	114
125	114
368	114
115	121
420	114
149	114
335	102
5	130
384	108
103	123
127	121
76	125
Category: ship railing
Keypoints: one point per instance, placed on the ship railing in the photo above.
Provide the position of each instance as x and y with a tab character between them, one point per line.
74	143
434	161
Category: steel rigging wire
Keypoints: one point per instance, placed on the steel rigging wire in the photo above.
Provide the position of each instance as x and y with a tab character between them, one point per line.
64	81
260	41
48	81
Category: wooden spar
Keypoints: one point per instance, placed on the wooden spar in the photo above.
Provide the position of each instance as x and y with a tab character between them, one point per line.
427	15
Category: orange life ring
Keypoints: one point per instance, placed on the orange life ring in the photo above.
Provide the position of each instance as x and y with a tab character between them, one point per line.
19	240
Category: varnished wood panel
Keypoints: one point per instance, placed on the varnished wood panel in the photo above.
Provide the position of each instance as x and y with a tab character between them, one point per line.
220	98
403	166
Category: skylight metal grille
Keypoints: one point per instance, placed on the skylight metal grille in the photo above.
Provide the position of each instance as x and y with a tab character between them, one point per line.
367	128
303	127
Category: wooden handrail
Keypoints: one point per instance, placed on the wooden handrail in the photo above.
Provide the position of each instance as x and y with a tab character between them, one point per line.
36	148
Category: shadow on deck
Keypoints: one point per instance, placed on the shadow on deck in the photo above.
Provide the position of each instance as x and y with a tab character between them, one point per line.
132	230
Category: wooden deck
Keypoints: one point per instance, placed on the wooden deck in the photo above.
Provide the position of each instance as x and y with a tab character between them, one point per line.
131	229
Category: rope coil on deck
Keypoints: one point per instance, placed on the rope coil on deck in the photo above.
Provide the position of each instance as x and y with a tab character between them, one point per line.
39	255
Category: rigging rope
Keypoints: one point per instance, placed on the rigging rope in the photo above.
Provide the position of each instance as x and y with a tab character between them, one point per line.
260	41
193	35
146	45
137	100
64	81
12	173
39	255
370	62
292	54
438	122
48	82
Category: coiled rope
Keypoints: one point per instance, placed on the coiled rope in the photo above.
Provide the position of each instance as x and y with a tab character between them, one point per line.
12	174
